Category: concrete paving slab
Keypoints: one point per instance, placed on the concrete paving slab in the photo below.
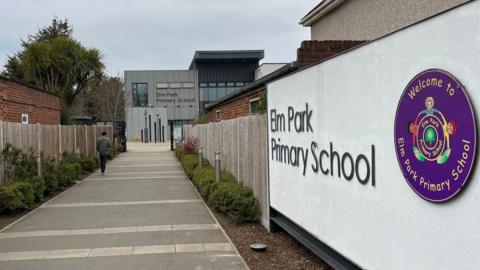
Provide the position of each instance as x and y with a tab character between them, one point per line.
110	240
180	248
155	249
113	170
214	261
218	247
154	228
67	253
25	255
143	262
123	221
111	251
96	204
113	216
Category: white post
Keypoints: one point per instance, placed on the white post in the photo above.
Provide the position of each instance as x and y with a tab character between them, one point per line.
60	141
75	149
200	157
2	176
86	140
217	166
39	150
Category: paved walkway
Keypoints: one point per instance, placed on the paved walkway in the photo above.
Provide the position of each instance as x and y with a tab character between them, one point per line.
143	214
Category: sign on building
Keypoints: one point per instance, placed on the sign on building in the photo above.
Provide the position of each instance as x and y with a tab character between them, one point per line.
373	152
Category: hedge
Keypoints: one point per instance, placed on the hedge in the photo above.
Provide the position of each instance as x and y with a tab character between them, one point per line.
89	164
227	196
190	162
16	196
24	187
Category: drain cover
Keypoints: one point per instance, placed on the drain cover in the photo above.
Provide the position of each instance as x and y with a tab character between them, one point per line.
258	247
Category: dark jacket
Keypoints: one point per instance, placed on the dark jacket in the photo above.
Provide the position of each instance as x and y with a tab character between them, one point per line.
103	144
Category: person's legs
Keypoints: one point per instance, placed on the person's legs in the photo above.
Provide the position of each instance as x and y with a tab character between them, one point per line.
103	163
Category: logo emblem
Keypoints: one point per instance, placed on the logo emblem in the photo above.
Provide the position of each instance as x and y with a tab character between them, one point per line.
435	135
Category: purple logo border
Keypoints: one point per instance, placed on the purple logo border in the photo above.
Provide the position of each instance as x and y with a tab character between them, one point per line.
473	113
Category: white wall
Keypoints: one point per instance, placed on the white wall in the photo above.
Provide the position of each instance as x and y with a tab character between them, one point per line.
354	98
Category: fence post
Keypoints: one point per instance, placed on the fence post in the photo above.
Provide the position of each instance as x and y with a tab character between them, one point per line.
2	175
60	141
86	140
200	157
217	166
39	150
75	150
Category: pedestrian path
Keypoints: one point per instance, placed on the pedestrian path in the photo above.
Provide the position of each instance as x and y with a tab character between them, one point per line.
143	214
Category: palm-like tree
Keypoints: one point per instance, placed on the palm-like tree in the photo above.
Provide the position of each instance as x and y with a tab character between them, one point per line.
62	66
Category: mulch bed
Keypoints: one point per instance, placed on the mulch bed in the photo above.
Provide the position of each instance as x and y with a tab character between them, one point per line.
283	251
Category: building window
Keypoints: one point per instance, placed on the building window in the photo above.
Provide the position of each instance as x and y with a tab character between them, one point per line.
253	106
218	115
140	94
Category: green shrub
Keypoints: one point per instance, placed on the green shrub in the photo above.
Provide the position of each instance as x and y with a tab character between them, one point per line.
236	200
78	169
39	186
51	182
18	165
178	152
189	163
16	196
70	157
89	164
226	196
204	180
67	174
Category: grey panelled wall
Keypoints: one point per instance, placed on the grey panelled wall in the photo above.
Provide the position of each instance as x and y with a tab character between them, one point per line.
243	146
226	72
176	109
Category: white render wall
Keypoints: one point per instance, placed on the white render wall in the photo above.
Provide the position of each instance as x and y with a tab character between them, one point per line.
354	97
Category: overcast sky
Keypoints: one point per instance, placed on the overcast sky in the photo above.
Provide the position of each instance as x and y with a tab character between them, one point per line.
163	34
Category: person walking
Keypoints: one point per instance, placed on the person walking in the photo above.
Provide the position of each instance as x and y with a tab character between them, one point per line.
103	144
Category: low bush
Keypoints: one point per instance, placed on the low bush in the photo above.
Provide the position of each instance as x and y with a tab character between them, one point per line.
51	182
191	145
17	164
89	164
16	196
204	180
39	186
227	195
70	157
67	174
236	200
178	152
189	163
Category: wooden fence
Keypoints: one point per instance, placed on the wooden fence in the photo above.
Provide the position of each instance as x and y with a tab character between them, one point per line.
242	143
52	140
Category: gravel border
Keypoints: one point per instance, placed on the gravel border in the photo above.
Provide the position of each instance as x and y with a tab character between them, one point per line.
283	251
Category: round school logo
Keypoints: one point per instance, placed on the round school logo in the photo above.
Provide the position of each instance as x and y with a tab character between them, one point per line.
435	135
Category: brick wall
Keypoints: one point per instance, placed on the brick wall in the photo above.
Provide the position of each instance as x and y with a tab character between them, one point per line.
235	108
313	51
18	98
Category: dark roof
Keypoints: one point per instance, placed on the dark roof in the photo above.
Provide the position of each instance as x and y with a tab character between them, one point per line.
256	55
254	86
26	84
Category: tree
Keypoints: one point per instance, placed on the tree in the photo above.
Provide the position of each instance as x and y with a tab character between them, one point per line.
105	99
51	59
58	28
